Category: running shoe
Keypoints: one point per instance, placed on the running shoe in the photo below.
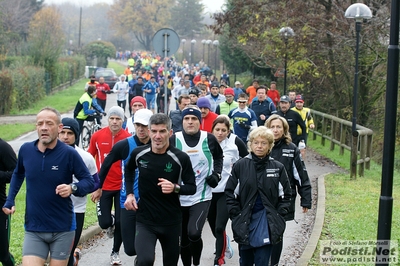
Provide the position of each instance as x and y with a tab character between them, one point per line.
229	249
77	256
111	229
115	259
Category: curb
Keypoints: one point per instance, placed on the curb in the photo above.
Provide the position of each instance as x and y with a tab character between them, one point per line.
319	222
89	233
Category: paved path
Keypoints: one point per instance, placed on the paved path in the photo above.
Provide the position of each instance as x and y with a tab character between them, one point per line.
295	238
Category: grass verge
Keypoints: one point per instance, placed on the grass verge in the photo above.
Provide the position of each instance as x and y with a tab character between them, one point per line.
352	205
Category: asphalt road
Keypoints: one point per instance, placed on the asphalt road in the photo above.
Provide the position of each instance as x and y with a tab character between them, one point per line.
295	238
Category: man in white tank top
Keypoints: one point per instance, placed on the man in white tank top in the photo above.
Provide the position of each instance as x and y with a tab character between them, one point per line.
206	157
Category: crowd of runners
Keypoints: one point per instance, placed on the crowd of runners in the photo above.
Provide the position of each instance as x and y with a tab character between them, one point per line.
226	151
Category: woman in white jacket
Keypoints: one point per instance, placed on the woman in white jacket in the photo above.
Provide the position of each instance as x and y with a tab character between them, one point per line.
233	148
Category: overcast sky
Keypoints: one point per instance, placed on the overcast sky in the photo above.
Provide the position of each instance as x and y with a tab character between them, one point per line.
211	5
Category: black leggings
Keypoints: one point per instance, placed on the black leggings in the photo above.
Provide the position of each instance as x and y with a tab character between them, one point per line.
122	104
128	231
104	207
80	219
276	253
146	239
5	228
218	218
193	219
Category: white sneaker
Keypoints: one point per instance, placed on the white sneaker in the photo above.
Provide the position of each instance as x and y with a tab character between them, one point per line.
229	249
115	259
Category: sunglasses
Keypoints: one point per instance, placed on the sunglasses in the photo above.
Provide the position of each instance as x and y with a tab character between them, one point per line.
242	101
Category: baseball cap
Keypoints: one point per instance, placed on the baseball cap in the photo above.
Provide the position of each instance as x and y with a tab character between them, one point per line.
299	98
142	116
237	83
285	98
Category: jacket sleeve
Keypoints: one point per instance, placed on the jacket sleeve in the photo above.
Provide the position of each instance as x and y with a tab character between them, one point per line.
217	153
115	155
81	172
232	200
8	161
17	179
301	123
241	147
130	173
302	180
86	109
285	192
188	179
97	106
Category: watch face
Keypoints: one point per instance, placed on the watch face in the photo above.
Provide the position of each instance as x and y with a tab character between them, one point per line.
74	187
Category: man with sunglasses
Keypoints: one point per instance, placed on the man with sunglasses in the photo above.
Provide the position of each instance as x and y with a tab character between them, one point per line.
244	119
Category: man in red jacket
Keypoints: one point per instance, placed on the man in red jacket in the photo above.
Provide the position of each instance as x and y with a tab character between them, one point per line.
100	146
208	117
273	93
102	89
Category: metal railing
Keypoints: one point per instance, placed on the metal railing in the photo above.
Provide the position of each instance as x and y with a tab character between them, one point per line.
338	132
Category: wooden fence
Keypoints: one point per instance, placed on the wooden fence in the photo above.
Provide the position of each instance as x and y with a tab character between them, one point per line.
338	132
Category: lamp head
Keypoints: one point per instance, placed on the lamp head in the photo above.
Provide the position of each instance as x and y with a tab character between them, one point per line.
359	12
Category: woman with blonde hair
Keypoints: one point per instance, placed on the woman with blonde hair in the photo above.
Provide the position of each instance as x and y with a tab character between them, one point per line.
258	196
288	154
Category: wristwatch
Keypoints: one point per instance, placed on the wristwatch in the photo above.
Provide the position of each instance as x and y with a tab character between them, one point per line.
74	188
219	176
177	188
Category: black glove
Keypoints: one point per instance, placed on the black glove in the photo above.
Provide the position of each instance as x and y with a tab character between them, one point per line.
104	114
243	125
212	180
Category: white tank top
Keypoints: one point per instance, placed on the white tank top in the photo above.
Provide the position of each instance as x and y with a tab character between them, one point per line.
202	163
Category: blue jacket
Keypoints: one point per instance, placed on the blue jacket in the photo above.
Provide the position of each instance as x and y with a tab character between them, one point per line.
266	107
45	210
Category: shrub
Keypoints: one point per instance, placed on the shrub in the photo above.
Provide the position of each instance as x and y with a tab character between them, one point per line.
5	92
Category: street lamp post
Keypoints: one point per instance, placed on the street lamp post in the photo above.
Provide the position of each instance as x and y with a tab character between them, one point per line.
204	47
359	12
216	43
208	42
192	42
183	48
389	143
286	33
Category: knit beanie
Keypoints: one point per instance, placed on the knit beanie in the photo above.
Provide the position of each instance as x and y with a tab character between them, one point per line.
203	102
191	111
139	99
118	111
71	124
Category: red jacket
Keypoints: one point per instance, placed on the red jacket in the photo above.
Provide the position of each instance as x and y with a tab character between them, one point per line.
206	123
274	96
101	88
100	146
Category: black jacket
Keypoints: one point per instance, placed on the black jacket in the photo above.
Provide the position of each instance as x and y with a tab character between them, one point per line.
294	119
289	156
267	178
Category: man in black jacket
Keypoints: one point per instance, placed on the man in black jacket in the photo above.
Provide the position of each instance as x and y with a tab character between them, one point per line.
293	118
8	160
165	173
